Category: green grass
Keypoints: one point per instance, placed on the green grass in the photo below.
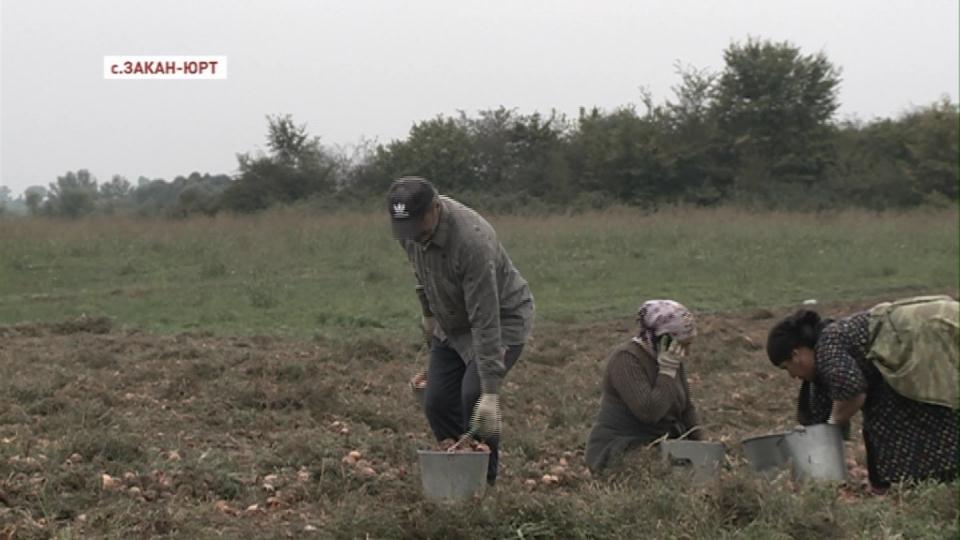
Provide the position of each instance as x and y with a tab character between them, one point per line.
196	424
238	348
289	273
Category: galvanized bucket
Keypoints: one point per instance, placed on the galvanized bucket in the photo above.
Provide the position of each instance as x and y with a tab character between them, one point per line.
765	453
816	452
450	477
701	459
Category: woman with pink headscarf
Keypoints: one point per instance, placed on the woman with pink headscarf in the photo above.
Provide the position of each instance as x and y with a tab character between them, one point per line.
645	390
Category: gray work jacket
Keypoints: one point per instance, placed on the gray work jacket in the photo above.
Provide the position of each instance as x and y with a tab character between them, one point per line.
466	280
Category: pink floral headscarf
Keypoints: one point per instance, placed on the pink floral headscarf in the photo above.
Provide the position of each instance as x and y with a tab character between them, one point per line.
659	317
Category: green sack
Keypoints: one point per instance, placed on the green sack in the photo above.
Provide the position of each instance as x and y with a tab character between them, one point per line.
914	345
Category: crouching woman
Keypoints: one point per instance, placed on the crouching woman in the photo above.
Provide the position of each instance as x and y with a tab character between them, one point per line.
645	394
897	363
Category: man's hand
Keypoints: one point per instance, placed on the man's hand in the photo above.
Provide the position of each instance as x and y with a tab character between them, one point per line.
668	361
419	380
486	420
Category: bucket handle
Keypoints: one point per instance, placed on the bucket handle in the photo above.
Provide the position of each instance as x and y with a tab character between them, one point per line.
682	436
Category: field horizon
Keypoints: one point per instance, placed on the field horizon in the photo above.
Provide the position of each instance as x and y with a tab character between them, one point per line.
295	272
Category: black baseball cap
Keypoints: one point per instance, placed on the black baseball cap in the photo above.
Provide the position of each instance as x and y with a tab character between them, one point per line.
409	199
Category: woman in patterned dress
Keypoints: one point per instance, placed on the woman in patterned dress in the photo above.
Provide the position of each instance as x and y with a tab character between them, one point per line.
645	390
905	439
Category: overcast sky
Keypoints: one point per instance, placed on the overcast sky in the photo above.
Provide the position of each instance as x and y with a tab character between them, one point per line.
352	69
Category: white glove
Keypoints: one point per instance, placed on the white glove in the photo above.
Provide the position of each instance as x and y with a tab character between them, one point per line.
486	419
669	361
429	325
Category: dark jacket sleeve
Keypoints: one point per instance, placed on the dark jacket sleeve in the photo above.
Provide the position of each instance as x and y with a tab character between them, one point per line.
648	402
482	300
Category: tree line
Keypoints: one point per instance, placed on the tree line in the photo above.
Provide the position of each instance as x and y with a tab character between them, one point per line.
759	133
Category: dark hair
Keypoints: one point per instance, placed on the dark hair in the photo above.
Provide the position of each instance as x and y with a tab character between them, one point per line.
802	329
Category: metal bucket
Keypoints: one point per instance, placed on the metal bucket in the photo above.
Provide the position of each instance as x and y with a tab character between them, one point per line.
450	477
816	452
703	459
765	453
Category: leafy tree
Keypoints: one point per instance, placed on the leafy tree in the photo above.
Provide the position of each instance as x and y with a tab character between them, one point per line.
439	149
199	194
154	197
289	143
4	198
183	196
898	162
73	195
760	131
774	105
617	154
491	137
117	188
114	194
691	140
931	149
33	197
871	166
536	150
297	167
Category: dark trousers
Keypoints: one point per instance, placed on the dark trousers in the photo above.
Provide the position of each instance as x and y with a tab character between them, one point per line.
453	388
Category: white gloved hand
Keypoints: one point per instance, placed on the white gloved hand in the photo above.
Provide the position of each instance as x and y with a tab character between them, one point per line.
429	325
669	361
485	421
